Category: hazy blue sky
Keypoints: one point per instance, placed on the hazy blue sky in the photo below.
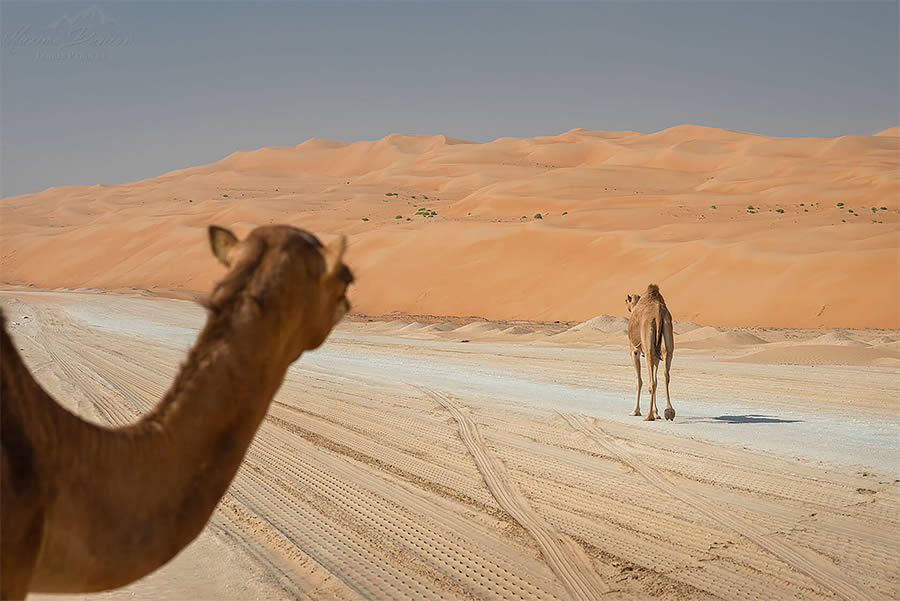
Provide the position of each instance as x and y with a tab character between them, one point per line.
114	92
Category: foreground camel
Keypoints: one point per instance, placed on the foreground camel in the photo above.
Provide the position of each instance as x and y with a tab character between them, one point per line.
649	326
87	508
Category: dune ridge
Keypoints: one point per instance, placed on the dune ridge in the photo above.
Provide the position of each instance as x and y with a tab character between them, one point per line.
738	229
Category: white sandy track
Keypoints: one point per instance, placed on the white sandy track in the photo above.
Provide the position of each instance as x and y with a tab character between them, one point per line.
823	572
567	560
358	486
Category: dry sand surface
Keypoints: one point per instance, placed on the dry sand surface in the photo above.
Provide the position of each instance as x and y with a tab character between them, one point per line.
398	462
443	226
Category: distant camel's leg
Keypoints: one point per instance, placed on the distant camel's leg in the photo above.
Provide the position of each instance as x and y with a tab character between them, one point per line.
670	410
652	364
636	357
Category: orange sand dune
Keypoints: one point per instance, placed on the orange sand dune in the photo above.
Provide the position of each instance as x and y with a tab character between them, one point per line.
819	248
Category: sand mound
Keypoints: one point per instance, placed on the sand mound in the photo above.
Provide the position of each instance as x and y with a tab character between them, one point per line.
723	340
478	328
441	226
889	345
891	131
834	339
390	326
697	334
738	338
683	327
602	323
517	330
439	327
586	336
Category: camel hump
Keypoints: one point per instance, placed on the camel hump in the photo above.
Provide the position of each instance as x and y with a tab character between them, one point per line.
653	292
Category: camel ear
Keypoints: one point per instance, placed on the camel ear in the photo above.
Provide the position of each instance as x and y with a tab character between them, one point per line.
222	241
333	254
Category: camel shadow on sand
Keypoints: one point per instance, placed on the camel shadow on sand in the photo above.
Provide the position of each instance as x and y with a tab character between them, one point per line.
751	418
748	418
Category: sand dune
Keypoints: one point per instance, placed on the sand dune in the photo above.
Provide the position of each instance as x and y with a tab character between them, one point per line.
439	327
721	340
837	338
700	333
602	323
477	328
443	226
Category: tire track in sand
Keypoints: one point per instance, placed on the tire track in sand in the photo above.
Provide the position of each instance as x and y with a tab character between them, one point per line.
816	567
565	557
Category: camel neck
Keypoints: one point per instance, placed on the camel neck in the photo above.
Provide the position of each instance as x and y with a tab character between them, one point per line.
211	413
153	485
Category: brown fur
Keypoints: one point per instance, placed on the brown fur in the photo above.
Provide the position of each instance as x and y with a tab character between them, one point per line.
650	333
87	508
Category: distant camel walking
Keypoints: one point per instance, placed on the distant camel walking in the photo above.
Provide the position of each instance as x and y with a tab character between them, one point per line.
87	508
649	326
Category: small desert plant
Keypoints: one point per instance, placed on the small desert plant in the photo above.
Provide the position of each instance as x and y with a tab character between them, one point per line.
806	210
802	205
365	218
874	210
399	217
537	216
713	206
565	212
884	208
749	207
412	196
840	204
779	210
423	196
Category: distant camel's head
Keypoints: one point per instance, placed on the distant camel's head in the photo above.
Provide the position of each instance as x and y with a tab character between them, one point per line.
631	300
285	271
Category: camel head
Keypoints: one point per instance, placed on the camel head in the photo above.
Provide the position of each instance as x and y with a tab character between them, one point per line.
631	300
285	274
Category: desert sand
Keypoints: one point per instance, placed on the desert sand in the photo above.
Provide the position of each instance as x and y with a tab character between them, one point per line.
465	433
400	462
738	229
